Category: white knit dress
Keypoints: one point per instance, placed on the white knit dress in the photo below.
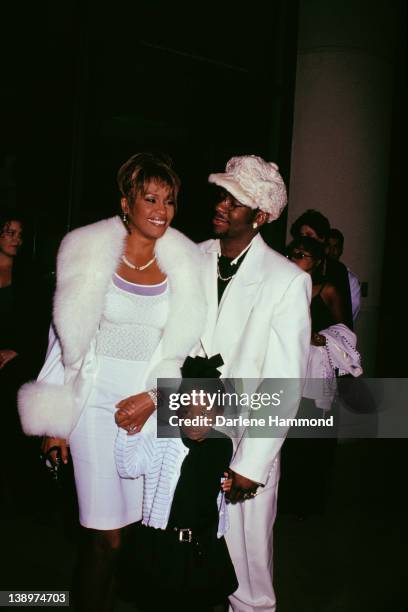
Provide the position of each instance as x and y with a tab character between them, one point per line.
130	330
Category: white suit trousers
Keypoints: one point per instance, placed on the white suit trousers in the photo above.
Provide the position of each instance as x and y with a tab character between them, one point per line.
250	543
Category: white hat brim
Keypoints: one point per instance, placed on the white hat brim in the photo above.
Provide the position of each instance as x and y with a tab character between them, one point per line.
233	187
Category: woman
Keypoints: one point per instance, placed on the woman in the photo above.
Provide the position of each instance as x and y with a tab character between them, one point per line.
327	306
21	344
307	464
128	309
11	240
13	357
313	224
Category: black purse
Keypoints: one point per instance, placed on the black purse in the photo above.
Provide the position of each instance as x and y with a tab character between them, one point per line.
58	472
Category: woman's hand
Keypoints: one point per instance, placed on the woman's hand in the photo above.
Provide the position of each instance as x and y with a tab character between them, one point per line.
48	443
6	355
133	412
318	339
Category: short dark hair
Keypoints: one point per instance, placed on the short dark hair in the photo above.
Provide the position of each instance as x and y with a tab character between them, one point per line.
9	214
142	168
314	219
337	235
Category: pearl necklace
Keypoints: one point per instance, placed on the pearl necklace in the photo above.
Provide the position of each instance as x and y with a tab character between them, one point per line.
134	267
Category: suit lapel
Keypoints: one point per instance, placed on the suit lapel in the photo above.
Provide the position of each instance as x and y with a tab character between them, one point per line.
211	295
238	301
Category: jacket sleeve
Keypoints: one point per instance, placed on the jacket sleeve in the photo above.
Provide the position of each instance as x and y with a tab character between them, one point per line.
46	406
53	369
286	357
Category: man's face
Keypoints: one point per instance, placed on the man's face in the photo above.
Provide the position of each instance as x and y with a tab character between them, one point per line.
232	219
334	249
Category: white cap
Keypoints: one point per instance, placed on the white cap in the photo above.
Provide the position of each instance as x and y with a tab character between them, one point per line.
254	183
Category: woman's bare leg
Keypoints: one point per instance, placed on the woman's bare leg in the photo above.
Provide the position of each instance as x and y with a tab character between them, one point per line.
98	553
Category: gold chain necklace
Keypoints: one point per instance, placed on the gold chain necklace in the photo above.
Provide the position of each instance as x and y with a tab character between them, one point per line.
227	278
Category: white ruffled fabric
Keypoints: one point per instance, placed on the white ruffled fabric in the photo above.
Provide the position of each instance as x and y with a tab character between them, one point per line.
159	460
339	353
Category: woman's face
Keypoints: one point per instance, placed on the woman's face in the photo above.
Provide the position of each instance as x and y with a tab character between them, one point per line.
304	259
152	211
11	238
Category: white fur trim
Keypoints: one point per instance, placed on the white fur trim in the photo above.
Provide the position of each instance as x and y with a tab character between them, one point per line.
46	410
87	259
180	259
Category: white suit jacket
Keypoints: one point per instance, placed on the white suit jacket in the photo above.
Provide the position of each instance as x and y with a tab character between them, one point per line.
261	330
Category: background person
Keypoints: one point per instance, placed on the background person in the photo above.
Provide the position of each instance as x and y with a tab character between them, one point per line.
308	463
335	251
327	306
11	240
315	225
127	309
21	349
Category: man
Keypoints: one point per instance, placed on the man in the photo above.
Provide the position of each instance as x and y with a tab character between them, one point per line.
315	225
259	322
335	251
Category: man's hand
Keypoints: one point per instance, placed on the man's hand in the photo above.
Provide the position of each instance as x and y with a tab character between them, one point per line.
241	488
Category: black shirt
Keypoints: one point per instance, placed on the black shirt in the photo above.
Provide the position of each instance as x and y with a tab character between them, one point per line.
195	499
227	271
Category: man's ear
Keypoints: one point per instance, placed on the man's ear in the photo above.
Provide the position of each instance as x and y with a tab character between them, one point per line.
261	218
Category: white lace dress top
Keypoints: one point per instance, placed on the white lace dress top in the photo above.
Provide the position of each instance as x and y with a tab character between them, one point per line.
133	320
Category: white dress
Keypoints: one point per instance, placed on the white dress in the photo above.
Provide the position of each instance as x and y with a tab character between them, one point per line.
130	330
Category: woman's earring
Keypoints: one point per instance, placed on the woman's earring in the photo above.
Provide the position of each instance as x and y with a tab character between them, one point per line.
255	225
125	220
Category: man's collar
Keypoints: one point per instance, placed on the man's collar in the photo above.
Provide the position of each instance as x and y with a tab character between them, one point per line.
215	246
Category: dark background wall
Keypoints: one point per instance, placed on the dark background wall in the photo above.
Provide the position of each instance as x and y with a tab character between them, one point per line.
203	83
87	85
